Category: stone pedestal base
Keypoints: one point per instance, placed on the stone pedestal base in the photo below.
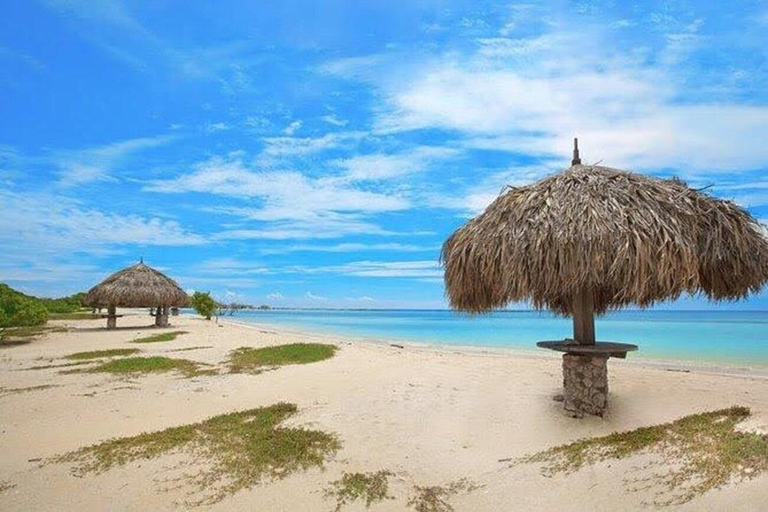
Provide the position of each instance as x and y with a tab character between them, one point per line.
111	322
585	383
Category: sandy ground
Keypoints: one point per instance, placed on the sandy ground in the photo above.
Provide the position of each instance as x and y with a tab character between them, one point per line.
431	416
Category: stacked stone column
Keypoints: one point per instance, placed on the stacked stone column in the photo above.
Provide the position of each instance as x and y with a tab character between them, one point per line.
585	384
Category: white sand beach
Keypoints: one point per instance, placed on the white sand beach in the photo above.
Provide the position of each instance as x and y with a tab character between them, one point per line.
430	415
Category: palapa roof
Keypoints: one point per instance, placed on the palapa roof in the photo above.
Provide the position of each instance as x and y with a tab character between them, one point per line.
622	237
137	286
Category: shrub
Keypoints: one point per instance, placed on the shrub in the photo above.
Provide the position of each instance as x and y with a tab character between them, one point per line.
204	304
17	309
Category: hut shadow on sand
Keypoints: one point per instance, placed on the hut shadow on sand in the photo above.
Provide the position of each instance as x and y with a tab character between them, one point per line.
592	239
138	286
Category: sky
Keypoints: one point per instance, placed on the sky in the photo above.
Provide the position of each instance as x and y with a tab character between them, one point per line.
318	153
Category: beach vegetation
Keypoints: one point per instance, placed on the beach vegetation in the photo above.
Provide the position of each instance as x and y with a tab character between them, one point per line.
147	365
435	498
20	310
240	450
10	336
204	304
99	354
186	349
156	338
63	365
367	487
694	454
14	391
256	360
63	305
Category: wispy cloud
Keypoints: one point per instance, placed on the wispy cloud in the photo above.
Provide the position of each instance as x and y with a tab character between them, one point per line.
294	205
350	247
78	167
380	166
334	120
47	223
292	128
380	269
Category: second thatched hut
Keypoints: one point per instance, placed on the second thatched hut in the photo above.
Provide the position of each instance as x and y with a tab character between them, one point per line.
138	286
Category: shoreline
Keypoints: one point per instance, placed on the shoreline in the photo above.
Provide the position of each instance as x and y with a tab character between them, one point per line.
673	365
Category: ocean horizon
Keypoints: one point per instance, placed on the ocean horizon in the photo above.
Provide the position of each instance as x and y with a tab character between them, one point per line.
731	337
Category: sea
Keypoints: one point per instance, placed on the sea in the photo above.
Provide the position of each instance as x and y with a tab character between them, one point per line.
710	337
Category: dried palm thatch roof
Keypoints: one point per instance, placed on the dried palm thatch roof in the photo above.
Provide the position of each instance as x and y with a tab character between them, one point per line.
137	286
620	237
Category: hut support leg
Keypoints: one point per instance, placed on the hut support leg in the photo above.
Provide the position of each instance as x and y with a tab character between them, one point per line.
161	320
112	318
585	381
585	378
583	319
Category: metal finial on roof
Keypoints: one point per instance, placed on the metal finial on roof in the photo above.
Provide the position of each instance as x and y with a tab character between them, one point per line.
141	260
576	160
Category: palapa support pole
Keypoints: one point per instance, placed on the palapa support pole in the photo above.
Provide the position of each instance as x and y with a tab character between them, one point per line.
111	317
161	320
583	318
585	377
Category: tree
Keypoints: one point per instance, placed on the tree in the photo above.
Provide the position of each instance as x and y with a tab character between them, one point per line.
204	304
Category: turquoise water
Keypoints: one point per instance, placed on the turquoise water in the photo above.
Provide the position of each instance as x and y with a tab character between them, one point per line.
730	337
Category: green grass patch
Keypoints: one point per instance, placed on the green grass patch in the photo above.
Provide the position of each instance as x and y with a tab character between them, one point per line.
368	487
163	336
435	498
99	354
11	336
694	454
15	391
255	360
186	349
240	450
146	365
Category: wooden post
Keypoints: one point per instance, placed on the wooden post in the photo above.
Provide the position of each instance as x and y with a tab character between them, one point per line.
112	318
583	319
161	320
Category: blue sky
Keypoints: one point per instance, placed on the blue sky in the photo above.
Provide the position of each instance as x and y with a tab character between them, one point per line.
317	154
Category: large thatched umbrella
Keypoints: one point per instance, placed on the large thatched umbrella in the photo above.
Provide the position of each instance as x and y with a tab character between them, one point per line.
137	286
590	239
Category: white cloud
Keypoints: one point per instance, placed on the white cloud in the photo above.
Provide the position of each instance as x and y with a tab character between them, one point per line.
350	247
293	205
44	222
217	127
334	120
383	166
317	298
384	269
292	128
275	296
533	95
228	266
297	146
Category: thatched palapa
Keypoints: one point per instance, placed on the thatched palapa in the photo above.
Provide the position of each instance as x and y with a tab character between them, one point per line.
134	287
591	238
